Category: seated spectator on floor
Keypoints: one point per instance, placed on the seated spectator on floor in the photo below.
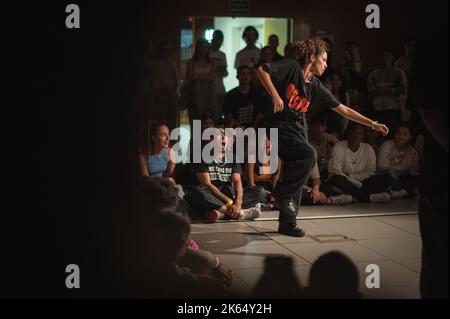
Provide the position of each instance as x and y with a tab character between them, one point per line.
243	104
220	193
317	190
398	158
156	158
158	194
321	141
352	169
167	234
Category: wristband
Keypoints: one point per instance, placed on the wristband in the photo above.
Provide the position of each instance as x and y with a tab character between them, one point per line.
373	124
229	203
397	160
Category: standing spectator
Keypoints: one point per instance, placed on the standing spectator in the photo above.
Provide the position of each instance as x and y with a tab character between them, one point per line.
355	73
201	73
266	56
352	169
220	61
274	42
387	91
398	158
289	51
337	125
404	62
248	56
165	83
243	104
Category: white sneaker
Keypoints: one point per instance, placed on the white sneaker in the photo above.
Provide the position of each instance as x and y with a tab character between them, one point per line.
398	194
342	199
380	197
251	213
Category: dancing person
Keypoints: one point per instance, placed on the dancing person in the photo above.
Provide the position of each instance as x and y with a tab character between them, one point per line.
294	89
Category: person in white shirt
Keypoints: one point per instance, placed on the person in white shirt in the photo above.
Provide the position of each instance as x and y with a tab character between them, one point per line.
220	60
352	169
398	158
317	190
250	55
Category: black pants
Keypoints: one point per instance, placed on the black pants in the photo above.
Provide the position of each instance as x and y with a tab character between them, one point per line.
324	188
203	200
407	182
433	220
373	184
298	158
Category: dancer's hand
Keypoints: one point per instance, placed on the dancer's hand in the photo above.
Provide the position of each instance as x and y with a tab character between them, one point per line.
383	129
278	104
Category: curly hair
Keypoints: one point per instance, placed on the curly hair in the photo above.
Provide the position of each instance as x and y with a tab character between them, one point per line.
157	193
301	50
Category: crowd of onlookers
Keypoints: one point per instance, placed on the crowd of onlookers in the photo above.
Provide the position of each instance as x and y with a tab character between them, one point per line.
354	164
172	265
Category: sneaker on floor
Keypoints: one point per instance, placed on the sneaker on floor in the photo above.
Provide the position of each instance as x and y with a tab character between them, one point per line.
380	197
339	199
214	215
251	213
398	194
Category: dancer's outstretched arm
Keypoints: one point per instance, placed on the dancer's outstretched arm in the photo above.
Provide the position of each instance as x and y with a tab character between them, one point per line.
354	116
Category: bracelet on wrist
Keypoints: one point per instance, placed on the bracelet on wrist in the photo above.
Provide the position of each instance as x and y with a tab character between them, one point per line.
229	203
373	124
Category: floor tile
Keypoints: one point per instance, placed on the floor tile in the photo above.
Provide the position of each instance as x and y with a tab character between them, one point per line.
395	248
252	256
362	228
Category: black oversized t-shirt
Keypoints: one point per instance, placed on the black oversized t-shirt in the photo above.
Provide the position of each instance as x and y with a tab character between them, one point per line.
298	97
219	174
244	107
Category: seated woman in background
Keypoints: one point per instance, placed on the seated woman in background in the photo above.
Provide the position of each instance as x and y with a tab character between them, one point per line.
398	158
352	169
156	158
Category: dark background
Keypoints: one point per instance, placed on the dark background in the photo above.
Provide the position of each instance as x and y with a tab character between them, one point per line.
86	80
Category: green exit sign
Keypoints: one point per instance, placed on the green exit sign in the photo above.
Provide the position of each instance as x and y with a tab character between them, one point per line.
239	8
